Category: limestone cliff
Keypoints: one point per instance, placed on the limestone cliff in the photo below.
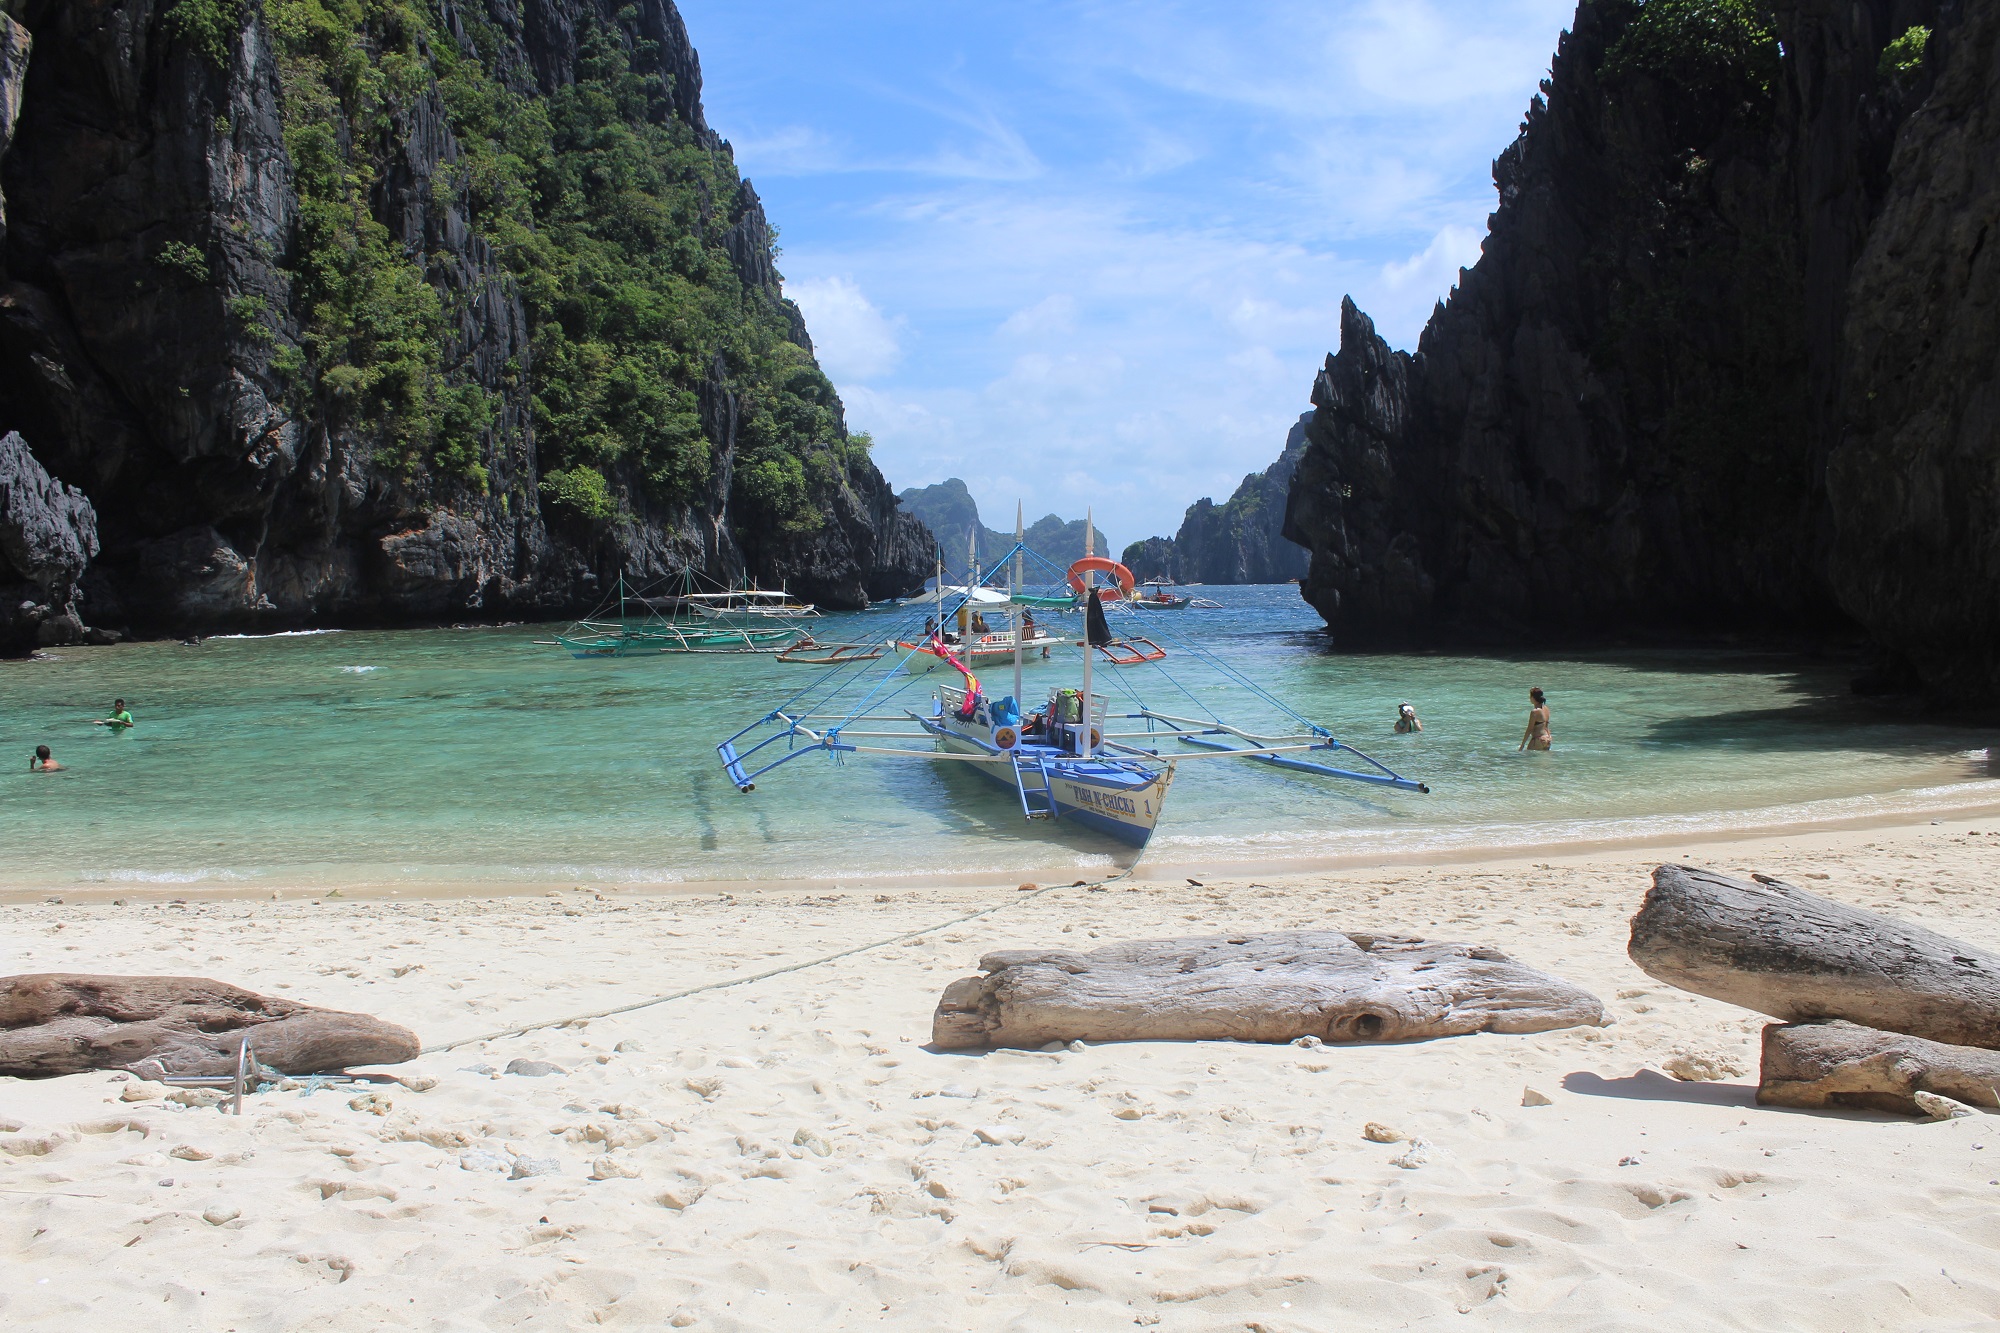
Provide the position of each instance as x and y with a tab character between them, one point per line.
373	311
1240	540
1727	360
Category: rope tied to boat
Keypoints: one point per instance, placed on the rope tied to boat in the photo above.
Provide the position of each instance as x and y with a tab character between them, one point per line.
728	982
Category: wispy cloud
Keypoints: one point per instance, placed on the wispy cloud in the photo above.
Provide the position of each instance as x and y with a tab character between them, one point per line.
854	342
1060	247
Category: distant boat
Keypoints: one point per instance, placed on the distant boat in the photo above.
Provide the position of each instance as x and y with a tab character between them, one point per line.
749	620
1155	596
985	650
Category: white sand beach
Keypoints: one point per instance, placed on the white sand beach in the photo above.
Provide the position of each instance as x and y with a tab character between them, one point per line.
787	1154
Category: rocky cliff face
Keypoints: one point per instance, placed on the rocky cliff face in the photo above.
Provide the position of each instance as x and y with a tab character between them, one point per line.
1238	541
948	510
456	331
1913	475
1725	363
48	534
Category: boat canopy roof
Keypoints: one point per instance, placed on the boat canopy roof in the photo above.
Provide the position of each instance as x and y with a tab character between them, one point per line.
730	596
977	596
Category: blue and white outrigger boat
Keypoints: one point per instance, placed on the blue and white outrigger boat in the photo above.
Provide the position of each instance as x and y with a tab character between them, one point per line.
1060	760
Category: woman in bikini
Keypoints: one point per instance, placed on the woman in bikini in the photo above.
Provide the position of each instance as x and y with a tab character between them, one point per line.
1537	737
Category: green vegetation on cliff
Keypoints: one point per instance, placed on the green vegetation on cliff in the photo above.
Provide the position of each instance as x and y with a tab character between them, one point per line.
609	213
1715	49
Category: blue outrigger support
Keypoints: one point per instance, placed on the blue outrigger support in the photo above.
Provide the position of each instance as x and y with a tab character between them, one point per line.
733	763
1386	778
1202	734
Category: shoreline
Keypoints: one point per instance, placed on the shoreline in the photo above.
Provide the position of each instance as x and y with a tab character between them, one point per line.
1144	872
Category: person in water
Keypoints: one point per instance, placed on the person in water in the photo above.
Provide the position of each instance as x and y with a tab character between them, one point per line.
1407	720
120	719
1537	736
43	762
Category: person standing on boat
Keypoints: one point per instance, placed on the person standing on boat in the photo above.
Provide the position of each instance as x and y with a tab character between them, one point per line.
1537	736
1407	720
930	627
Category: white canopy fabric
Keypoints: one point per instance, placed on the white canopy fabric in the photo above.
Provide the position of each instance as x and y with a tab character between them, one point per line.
978	596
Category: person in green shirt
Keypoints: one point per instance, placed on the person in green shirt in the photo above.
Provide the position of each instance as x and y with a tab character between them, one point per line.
120	719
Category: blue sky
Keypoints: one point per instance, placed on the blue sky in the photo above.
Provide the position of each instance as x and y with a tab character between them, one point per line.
1094	252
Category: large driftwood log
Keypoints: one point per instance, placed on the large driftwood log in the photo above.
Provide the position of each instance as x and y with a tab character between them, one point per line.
65	1022
1271	987
1844	1064
1794	955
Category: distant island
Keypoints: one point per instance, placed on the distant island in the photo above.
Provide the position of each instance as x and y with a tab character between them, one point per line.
952	515
1241	540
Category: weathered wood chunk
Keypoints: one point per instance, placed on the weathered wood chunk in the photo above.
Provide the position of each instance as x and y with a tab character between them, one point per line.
1777	949
64	1023
1845	1064
1267	987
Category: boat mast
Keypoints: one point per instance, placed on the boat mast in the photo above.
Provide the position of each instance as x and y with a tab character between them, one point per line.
1014	586
1089	549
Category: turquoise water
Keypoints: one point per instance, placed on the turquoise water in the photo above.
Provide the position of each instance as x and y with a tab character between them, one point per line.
475	755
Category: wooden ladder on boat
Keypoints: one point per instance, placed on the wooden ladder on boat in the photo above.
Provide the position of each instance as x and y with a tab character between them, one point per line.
1037	802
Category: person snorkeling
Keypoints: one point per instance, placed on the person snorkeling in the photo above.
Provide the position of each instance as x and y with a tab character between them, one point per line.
1407	720
120	719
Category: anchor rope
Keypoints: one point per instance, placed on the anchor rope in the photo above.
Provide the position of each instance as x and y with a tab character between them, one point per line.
728	982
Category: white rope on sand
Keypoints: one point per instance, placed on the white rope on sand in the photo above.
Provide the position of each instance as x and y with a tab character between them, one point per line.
776	971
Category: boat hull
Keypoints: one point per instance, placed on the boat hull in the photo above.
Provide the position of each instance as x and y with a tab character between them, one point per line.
922	660
1117	798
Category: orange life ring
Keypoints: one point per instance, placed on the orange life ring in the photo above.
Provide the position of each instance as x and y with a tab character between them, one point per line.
1101	564
1005	738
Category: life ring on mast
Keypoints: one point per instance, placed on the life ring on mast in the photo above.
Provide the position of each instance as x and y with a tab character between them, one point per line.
1101	564
1005	738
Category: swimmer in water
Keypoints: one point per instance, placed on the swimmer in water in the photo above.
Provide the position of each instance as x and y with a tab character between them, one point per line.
1537	736
43	762
1407	720
120	719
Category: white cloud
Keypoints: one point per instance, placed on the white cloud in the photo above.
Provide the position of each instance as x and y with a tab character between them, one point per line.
853	340
1052	315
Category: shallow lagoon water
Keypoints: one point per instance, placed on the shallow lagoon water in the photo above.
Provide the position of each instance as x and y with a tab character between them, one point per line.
474	756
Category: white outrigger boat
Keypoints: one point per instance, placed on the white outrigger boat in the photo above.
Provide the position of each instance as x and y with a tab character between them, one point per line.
746	604
1061	759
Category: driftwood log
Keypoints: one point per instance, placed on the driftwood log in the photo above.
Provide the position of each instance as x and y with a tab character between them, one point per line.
64	1023
1796	956
1844	1064
1269	987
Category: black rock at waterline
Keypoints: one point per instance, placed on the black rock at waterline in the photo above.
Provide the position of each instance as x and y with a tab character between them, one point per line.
1729	361
157	352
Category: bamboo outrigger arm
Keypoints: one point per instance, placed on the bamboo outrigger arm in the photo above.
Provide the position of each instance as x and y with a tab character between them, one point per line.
1278	756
